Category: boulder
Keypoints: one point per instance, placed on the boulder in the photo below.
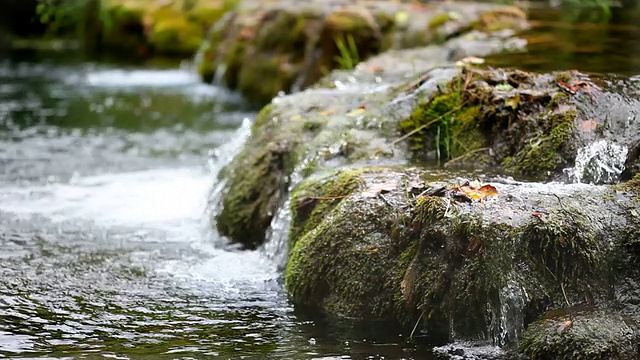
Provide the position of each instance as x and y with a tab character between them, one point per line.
553	265
175	27
265	47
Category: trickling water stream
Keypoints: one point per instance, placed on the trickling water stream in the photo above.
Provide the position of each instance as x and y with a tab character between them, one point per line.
105	241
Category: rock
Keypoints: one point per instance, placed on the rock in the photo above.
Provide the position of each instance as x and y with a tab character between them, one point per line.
354	122
526	124
371	237
174	27
294	44
591	334
373	243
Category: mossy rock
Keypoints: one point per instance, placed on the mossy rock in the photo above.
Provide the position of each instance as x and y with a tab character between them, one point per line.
307	36
526	120
176	36
254	196
455	268
591	334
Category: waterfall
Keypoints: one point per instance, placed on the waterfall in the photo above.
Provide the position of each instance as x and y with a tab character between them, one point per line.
277	237
600	162
218	159
507	318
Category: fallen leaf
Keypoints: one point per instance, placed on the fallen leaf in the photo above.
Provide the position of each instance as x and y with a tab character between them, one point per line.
373	251
476	193
415	185
469	61
401	18
328	112
566	325
356	112
539	216
504	87
380	188
373	68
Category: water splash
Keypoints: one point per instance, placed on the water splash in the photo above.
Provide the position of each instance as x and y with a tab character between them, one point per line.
275	247
600	162
218	159
507	319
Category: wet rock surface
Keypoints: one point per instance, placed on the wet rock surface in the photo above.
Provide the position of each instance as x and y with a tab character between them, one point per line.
176	27
294	44
371	237
405	247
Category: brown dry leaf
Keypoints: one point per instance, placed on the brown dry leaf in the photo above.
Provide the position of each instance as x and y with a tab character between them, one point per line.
356	112
566	325
327	112
539	216
477	193
373	251
380	188
588	125
374	68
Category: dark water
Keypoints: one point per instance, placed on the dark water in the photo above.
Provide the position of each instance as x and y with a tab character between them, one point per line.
105	246
589	39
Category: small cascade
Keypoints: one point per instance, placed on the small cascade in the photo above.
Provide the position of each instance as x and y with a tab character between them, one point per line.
277	237
507	318
600	162
218	159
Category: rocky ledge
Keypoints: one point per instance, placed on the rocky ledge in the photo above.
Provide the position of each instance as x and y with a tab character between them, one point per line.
264	47
546	270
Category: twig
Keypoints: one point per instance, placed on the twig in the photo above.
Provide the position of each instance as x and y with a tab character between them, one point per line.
565	294
327	197
465	155
429	123
416	326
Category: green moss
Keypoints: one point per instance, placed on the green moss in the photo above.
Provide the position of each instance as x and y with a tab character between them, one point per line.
633	185
567	253
541	155
439	20
592	335
274	68
283	32
509	17
544	152
257	187
313	199
317	274
176	36
446	125
563	76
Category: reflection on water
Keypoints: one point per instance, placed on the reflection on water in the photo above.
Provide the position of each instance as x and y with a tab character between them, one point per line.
105	246
587	39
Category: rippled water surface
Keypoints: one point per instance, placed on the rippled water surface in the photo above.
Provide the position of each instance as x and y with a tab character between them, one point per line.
105	246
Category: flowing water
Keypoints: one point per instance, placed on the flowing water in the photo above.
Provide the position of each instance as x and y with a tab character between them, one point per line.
106	250
107	185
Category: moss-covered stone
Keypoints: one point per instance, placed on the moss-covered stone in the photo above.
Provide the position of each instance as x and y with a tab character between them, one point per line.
314	199
525	119
305	38
254	196
176	36
170	28
589	334
467	271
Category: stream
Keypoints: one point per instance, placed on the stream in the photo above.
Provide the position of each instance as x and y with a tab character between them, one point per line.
106	245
